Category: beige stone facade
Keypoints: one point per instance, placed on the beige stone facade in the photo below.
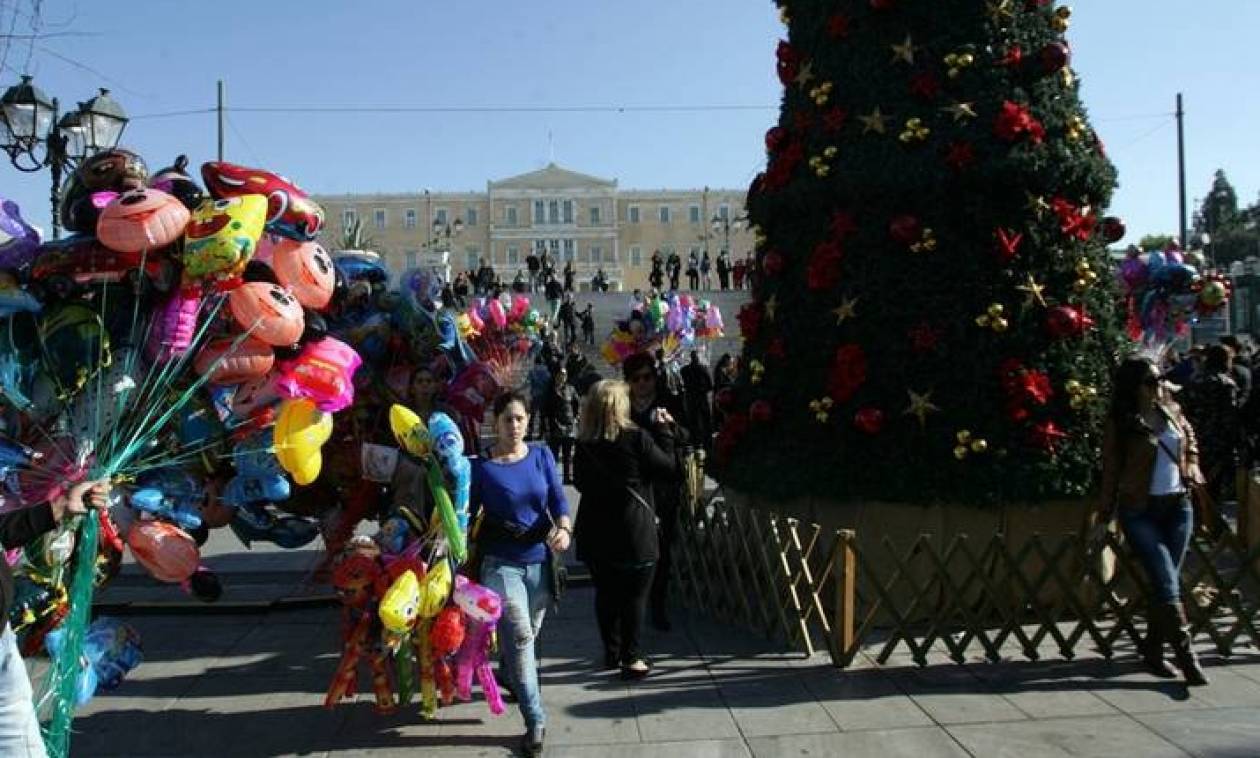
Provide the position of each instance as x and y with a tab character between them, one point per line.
576	217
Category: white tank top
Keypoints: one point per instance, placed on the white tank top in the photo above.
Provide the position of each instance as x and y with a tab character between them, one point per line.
1166	476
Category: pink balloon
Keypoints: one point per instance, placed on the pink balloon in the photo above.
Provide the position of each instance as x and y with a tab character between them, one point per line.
175	325
474	318
324	373
497	316
520	306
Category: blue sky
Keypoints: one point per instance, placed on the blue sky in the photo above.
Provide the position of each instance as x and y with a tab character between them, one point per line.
163	56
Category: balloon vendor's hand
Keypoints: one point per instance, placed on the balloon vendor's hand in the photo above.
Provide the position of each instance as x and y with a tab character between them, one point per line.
84	495
559	539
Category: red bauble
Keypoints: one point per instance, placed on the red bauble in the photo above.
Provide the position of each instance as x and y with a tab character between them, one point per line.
1063	321
1112	229
725	398
847	373
1055	56
772	263
869	420
905	229
789	63
761	412
823	272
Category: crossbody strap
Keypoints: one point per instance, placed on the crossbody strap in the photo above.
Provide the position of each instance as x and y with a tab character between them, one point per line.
633	492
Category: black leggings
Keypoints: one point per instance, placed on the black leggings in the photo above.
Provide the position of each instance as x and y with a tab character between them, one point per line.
620	603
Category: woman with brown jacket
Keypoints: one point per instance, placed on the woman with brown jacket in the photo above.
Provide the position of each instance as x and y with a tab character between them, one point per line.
1150	459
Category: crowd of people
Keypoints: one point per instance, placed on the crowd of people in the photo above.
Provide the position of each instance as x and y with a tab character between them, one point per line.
736	274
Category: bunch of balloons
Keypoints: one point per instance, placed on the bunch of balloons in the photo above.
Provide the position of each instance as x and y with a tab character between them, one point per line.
672	325
1164	291
176	345
405	611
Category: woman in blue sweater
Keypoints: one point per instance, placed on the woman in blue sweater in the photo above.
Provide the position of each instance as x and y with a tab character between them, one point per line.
525	514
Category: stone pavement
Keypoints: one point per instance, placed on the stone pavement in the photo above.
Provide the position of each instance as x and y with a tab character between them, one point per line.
245	685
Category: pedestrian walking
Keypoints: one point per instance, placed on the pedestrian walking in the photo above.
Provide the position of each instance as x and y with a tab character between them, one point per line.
1150	462
569	275
705	266
693	271
568	319
554	293
524	515
588	324
737	273
724	271
534	266
560	417
673	267
616	465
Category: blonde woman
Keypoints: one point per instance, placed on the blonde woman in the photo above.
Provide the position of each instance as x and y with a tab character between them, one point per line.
615	464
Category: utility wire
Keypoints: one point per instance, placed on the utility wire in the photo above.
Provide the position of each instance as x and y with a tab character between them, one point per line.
248	148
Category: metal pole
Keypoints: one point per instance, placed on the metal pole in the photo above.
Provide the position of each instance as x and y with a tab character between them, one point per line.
220	119
55	157
1181	172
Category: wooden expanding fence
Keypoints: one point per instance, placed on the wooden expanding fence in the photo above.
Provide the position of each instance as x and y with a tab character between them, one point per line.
974	596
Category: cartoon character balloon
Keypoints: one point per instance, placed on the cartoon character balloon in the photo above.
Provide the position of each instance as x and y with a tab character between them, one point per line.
290	211
141	219
222	236
18	239
301	430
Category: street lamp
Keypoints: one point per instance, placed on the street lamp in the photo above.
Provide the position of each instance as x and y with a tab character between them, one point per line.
28	119
723	225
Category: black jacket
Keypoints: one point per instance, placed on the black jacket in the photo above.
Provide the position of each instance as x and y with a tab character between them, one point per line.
16	529
613	525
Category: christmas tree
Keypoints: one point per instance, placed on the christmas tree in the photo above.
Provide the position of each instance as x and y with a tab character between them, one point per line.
934	316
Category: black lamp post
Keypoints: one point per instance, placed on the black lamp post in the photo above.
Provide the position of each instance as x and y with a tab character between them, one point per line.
723	225
28	119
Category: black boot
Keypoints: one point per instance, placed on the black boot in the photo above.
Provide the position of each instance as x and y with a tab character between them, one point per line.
532	741
1177	632
1152	648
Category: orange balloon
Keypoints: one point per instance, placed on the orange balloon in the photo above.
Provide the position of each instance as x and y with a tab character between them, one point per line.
306	269
250	360
141	219
271	311
164	550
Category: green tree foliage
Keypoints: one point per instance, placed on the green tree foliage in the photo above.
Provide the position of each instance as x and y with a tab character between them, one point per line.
1234	234
933	317
1156	241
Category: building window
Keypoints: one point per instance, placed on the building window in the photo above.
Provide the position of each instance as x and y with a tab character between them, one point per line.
470	217
540	212
664	214
553	212
597	254
568	211
632	214
513	255
509	215
440	216
409	218
724	210
378	218
473	258
594	215
540	247
636	256
553	249
347	217
412	255
570	250
693	214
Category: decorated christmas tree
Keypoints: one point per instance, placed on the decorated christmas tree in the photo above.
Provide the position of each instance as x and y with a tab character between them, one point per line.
934	316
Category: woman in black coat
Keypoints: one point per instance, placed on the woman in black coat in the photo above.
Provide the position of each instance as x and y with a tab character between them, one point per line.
616	531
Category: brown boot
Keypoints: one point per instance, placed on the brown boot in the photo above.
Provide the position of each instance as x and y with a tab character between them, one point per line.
1152	648
1177	632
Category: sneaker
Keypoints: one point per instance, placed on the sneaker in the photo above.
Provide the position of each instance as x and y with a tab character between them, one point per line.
639	669
532	741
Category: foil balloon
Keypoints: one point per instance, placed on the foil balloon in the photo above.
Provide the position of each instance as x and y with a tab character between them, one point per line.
14	299
323	372
141	219
259	477
301	430
174	325
448	446
435	588
164	550
409	430
18	239
270	313
230	363
111	649
290	211
497	315
256	395
306	269
222	236
483	608
110	171
400	605
176	181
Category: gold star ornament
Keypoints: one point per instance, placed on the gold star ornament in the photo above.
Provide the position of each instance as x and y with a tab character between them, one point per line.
1034	290
805	75
920	406
961	111
1001	10
875	121
846	311
904	52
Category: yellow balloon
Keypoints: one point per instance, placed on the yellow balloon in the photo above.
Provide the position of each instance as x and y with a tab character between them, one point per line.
410	431
301	430
223	235
400	606
434	590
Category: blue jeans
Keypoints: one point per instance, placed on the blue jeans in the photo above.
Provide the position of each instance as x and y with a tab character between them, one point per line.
1160	535
19	726
523	589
